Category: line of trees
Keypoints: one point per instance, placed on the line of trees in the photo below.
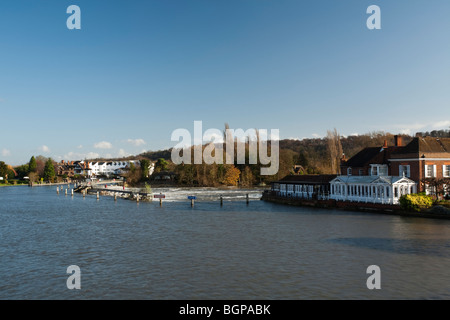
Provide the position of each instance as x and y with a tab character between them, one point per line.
38	168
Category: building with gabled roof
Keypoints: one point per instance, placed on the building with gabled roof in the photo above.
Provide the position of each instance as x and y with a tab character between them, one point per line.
371	189
423	160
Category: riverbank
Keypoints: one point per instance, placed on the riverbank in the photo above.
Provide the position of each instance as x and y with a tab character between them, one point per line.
437	212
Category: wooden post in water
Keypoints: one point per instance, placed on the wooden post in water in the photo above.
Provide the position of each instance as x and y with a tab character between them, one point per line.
115	196
98	195
57	190
137	197
247	199
84	193
71	191
65	192
221	200
192	202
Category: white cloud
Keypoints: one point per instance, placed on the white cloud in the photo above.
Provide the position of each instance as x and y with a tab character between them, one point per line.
315	135
6	153
44	149
441	124
80	146
103	145
123	153
136	142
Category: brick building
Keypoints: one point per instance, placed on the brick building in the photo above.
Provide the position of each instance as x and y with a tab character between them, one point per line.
425	160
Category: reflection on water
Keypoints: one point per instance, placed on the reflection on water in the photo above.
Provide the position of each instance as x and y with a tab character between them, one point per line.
129	250
428	247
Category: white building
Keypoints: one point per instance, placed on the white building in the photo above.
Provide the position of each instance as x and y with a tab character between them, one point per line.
111	168
371	189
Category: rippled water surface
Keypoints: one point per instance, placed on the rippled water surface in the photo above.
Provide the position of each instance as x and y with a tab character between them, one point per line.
129	250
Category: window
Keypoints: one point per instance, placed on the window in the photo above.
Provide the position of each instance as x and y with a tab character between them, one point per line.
349	171
446	171
361	172
374	171
430	171
430	190
404	170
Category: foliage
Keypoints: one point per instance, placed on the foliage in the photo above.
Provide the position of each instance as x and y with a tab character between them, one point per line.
415	202
22	171
49	171
134	175
148	188
437	185
161	165
32	165
145	164
34	177
232	175
3	169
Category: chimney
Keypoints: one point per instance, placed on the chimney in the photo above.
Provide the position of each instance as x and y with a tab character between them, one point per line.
385	144
343	159
62	161
398	141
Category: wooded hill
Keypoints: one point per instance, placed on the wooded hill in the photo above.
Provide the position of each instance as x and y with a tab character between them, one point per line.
315	156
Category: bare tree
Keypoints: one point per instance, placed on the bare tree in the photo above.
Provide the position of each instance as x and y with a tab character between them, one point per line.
334	149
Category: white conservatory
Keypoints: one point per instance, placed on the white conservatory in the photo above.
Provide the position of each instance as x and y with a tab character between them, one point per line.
371	189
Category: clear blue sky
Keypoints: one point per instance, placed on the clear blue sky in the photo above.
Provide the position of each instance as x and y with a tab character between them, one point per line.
137	70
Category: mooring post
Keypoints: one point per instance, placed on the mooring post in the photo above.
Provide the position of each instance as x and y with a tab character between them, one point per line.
221	200
71	191
57	190
137	197
65	192
115	196
98	195
84	193
192	202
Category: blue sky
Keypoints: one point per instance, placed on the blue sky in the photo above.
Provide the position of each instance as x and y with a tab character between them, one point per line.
137	70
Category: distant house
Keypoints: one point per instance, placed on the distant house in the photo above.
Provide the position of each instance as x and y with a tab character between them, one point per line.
83	168
66	168
107	168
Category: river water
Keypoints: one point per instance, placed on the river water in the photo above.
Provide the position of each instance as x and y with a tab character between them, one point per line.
129	250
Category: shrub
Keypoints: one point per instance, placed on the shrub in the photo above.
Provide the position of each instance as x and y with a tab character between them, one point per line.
415	202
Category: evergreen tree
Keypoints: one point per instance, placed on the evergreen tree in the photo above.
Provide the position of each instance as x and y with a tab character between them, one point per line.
32	165
49	171
3	169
